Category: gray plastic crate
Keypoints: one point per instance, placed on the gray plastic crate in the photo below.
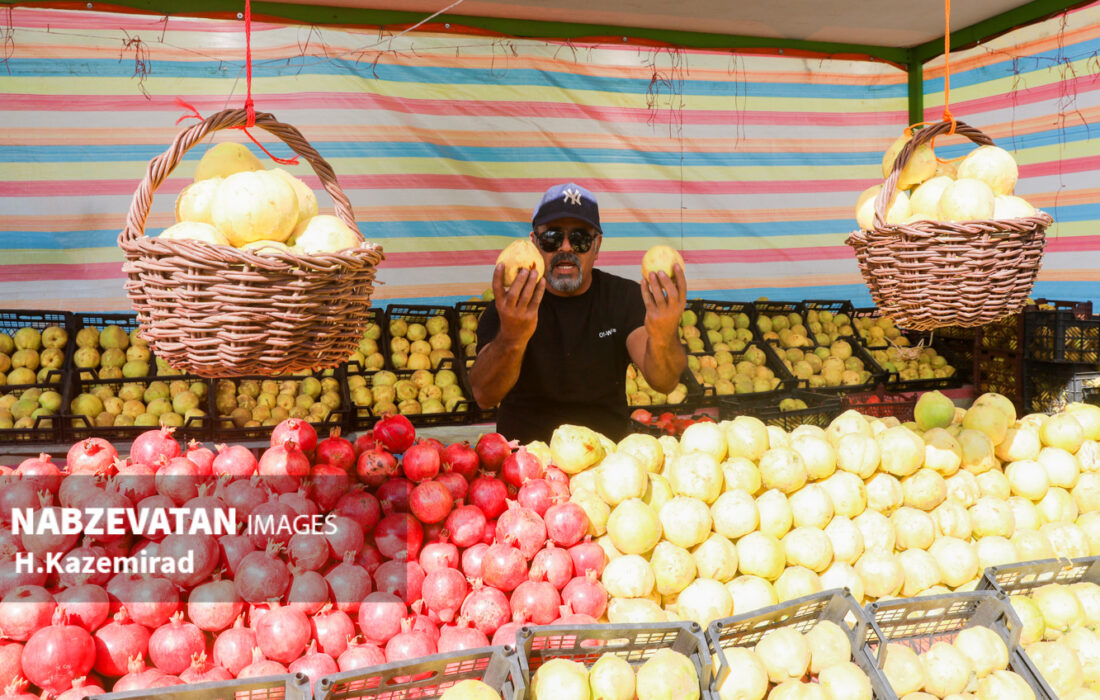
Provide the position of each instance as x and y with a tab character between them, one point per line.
1023	578
428	677
921	622
634	642
286	687
836	605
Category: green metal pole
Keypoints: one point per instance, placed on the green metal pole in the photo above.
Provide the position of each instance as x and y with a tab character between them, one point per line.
916	88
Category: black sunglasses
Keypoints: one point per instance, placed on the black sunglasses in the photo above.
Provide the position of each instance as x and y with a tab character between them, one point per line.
580	239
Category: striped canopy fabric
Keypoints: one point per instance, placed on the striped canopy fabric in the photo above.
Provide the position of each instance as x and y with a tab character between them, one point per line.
750	164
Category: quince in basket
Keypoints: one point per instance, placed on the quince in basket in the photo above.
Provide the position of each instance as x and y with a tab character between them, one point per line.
235	201
974	187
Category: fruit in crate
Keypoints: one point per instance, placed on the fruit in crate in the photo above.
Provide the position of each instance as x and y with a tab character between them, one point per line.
22	409
690	334
409	393
369	355
1059	633
234	201
748	373
112	353
665	675
640	393
832	366
28	356
797	663
419	343
977	658
895	354
150	403
790	330
249	403
467	335
976	186
727	330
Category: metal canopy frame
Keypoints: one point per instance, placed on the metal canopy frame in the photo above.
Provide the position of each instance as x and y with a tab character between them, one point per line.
910	59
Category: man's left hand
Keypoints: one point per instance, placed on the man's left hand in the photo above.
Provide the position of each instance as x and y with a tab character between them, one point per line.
665	300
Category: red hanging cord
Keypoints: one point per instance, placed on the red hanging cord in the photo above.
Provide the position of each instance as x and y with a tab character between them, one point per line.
249	106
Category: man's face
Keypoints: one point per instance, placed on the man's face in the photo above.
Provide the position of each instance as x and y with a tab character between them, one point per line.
568	269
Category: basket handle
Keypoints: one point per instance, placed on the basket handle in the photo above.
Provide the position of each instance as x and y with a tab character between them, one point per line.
160	167
923	135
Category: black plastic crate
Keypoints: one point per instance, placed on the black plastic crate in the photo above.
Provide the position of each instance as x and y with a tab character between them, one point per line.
820	409
377	316
414	313
877	374
226	431
466	410
463	309
286	687
1001	373
833	306
1005	335
837	606
1023	578
771	361
46	429
76	427
428	677
921	622
1049	386
882	404
1068	334
11	320
635	642
727	309
697	397
127	322
961	376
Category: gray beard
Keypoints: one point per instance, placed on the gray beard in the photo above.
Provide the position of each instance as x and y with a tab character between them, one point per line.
565	285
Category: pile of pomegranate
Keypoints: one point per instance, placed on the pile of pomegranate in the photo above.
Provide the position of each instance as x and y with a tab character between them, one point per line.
427	548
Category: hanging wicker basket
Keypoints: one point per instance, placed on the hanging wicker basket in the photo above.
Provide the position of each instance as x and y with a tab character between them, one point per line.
929	274
217	311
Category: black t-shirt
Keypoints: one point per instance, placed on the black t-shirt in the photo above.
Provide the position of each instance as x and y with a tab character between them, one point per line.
574	368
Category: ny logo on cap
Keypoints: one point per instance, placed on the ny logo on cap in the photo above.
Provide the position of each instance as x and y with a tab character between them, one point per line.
572	196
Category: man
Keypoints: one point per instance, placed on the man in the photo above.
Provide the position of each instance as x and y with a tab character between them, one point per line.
561	357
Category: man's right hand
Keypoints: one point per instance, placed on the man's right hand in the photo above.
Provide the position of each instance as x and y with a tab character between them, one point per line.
518	307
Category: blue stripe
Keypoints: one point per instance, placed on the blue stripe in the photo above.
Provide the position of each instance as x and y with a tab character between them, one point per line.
304	67
1019	142
492	231
1033	63
336	150
1072	290
467	154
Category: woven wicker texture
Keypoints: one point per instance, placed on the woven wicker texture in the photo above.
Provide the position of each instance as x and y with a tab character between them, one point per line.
217	311
930	274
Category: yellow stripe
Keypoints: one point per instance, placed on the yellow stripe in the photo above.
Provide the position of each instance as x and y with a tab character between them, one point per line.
481	92
134	170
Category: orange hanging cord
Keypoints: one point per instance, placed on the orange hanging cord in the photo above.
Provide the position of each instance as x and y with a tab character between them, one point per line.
947	115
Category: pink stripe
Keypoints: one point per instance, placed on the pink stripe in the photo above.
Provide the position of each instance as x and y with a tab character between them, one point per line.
61	188
26	18
1041	93
207	104
1054	167
79	271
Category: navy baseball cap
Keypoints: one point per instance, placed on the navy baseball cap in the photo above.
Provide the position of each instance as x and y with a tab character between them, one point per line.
567	201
